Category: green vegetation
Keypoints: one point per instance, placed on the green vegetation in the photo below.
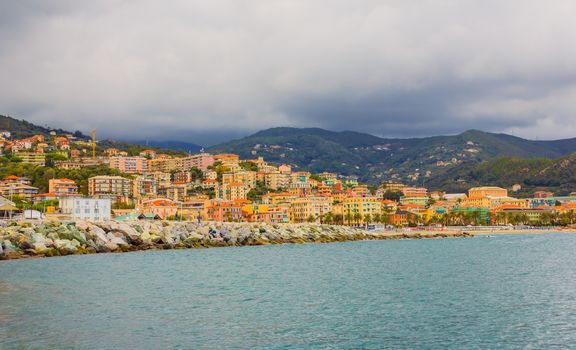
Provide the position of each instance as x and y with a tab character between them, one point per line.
558	176
393	195
220	169
22	128
316	177
257	192
250	166
376	159
39	176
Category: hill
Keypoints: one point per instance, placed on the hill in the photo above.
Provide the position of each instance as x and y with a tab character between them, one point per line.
22	128
558	175
175	145
375	159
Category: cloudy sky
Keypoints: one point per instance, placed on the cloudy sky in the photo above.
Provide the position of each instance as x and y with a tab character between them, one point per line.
205	71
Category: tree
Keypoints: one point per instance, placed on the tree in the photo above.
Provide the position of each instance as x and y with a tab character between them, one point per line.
339	219
316	177
393	195
368	218
328	218
196	174
250	166
311	218
357	218
348	217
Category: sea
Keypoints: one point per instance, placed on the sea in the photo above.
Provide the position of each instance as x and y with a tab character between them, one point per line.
485	292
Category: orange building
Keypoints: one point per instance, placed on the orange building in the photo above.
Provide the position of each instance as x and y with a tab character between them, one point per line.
62	187
162	207
487	191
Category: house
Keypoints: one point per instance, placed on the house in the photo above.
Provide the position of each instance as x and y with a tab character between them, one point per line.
89	209
62	187
163	207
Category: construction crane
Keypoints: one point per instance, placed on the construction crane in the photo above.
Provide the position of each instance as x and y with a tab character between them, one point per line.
93	143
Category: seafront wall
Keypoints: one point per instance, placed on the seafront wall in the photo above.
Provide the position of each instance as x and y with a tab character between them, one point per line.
55	238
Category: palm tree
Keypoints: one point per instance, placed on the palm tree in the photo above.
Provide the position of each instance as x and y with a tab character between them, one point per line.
329	218
348	217
338	219
357	218
368	218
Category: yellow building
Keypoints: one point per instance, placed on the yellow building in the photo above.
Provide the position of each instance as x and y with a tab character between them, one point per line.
278	198
365	206
232	191
302	209
38	159
247	178
165	165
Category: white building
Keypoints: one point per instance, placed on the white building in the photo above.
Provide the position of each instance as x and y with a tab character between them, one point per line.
89	209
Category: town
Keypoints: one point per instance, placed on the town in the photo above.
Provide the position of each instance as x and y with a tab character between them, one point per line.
149	185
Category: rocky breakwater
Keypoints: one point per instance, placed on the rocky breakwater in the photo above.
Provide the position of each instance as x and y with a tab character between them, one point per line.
55	238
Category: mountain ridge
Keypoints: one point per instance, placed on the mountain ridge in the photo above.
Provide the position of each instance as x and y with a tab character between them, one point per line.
375	159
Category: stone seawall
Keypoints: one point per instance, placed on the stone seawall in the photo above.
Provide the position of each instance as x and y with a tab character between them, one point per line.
54	238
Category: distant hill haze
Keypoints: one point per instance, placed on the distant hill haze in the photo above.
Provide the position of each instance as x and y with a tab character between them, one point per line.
374	159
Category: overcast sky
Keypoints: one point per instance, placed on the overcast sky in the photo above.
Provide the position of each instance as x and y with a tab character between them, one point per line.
204	71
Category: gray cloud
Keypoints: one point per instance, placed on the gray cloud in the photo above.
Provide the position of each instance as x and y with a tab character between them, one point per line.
204	71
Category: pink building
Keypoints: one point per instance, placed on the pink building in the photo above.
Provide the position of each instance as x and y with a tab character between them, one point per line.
129	165
201	161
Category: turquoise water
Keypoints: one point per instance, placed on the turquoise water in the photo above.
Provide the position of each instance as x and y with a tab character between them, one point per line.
504	292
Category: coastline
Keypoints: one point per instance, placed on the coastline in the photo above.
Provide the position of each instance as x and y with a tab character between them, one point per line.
54	238
521	231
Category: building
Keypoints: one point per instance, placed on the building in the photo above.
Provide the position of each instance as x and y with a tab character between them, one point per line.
18	189
310	208
148	153
367	207
232	191
89	209
38	159
129	165
415	192
163	207
165	165
543	194
144	186
275	180
201	161
247	178
487	191
62	187
115	187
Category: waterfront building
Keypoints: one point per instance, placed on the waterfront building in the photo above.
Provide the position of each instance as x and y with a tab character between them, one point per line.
89	209
163	207
365	206
312	207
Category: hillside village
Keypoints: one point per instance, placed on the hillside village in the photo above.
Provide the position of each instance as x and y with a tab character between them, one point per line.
111	183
